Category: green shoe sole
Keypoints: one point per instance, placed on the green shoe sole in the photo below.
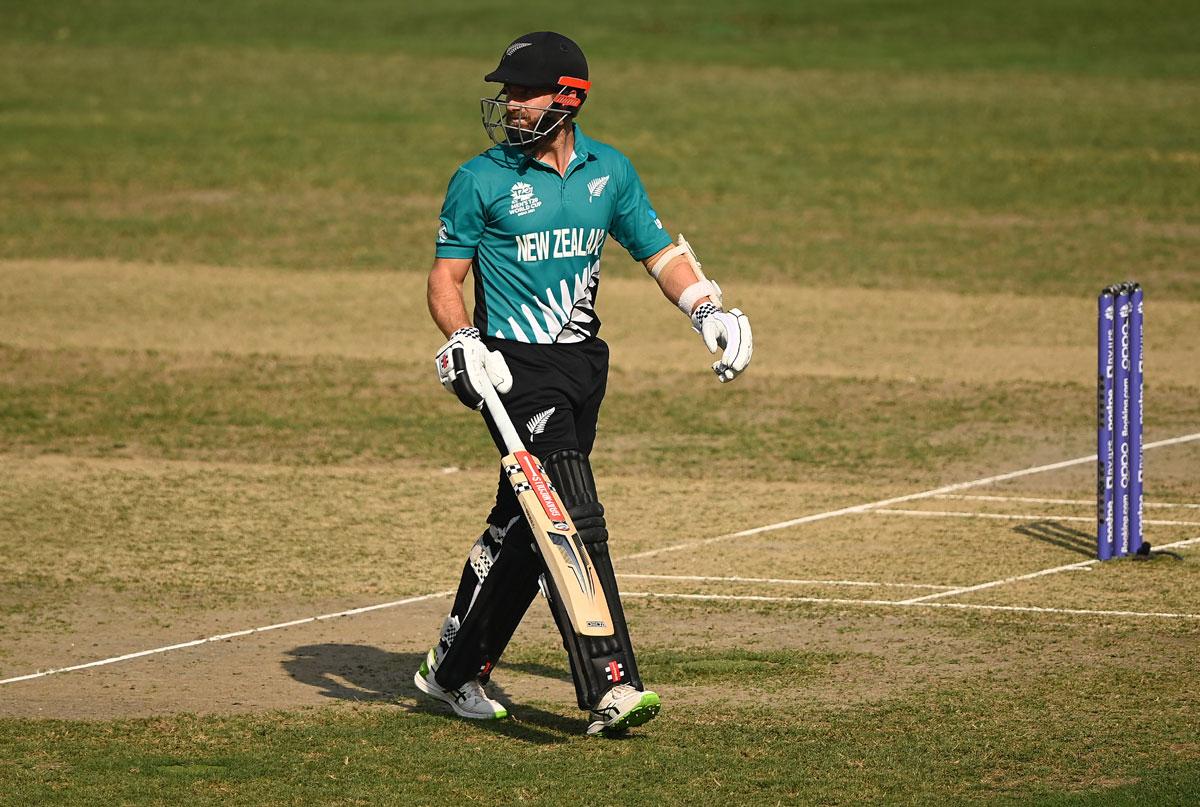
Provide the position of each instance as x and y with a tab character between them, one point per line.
646	710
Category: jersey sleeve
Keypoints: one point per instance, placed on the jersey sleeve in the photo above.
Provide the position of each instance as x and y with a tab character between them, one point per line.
635	224
462	217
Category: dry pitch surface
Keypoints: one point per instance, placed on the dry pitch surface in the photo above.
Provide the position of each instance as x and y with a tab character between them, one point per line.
152	546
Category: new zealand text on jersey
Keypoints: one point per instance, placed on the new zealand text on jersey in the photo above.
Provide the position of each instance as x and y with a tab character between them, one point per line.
569	242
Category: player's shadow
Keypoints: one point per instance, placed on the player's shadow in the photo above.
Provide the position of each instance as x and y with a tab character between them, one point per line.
1057	534
363	673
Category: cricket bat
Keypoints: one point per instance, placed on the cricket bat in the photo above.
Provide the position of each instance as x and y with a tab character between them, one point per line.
567	563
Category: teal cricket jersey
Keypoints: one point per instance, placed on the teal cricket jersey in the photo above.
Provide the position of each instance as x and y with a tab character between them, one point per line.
536	237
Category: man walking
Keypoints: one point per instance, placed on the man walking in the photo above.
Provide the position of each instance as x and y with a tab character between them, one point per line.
528	218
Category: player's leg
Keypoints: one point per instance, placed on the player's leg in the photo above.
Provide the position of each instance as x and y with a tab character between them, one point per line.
490	587
503	578
627	703
604	669
607	682
499	581
500	577
554	402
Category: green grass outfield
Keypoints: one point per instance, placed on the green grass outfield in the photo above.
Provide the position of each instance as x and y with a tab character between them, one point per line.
217	409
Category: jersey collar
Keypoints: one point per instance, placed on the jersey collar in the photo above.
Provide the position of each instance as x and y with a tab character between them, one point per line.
583	146
583	152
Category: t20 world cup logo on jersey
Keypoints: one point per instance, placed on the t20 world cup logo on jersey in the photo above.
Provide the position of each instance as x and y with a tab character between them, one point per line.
523	200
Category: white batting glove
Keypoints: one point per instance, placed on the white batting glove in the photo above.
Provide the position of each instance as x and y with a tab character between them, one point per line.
464	365
729	330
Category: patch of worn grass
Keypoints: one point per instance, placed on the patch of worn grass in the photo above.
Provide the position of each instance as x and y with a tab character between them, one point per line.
251	409
149	527
195	533
322	411
801	333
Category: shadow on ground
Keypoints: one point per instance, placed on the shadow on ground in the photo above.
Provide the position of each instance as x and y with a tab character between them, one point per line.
1060	535
1052	532
366	674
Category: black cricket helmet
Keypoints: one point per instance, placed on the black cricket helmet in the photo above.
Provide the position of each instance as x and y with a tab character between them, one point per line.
542	59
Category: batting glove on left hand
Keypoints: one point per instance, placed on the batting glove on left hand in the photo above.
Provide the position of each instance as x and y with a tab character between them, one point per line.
464	365
725	329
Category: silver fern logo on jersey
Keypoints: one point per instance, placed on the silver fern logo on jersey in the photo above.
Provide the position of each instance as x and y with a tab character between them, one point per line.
596	187
523	200
566	314
537	423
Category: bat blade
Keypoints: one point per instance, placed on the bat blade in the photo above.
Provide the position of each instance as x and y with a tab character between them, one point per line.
567	563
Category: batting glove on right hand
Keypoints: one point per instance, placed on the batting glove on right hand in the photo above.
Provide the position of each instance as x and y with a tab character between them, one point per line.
725	329
464	365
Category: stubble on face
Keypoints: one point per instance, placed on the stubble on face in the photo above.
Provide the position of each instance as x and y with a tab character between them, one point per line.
527	105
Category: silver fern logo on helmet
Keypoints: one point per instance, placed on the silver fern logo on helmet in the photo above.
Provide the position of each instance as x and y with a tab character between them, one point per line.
516	46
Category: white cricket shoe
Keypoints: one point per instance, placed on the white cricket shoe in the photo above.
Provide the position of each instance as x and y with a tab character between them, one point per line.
621	708
468	700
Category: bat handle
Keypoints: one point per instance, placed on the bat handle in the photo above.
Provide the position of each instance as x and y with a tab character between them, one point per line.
491	399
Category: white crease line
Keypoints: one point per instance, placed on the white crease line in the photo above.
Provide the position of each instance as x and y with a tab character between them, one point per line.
1032	500
964	606
925	494
993	583
787	580
779	526
223	636
1017	578
1022	516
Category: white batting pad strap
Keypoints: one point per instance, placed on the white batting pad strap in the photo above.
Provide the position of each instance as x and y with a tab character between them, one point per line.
695	293
667	257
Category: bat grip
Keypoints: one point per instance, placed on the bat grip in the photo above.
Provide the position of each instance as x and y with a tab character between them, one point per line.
491	399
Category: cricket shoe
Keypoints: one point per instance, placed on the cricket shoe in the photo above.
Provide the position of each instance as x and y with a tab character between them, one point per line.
468	700
623	707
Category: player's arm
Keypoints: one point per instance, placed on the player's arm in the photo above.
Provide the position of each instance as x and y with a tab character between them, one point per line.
464	364
675	276
444	294
682	282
